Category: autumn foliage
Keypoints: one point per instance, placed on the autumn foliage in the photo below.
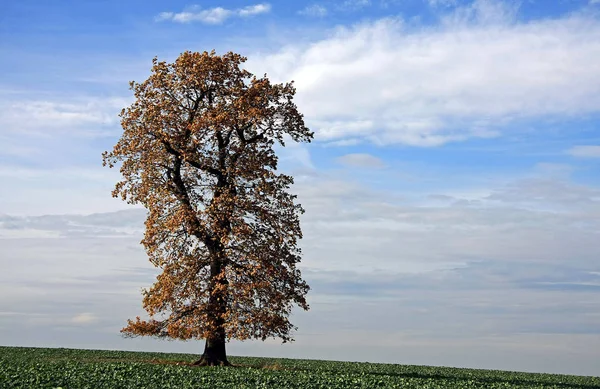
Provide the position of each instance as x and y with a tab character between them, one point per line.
197	152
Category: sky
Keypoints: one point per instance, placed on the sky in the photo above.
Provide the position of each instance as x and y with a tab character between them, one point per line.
452	191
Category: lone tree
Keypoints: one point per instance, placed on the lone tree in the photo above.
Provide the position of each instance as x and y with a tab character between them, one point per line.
197	152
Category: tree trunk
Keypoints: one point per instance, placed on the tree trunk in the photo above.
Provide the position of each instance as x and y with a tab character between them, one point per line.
214	349
214	352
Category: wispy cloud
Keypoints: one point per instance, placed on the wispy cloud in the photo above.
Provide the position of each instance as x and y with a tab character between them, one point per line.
210	16
108	224
441	3
215	15
355	4
483	12
587	151
315	10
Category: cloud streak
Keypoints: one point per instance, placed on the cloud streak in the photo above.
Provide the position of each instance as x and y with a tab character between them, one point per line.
315	10
79	117
215	15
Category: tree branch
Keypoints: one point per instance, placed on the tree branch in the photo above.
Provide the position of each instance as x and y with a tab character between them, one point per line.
171	150
244	141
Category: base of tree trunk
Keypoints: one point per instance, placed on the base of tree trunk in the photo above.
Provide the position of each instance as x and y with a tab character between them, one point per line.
204	361
214	353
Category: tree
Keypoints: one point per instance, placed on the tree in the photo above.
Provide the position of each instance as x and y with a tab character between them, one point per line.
197	152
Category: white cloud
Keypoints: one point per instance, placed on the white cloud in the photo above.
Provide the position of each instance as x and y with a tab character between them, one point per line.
211	16
587	151
215	15
592	2
315	10
254	9
472	76
361	160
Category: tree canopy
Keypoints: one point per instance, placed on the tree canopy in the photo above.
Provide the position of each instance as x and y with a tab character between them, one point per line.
197	152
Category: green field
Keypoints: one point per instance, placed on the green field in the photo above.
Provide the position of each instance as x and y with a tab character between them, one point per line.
69	369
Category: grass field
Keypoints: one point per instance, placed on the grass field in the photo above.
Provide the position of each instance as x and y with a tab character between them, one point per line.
95	369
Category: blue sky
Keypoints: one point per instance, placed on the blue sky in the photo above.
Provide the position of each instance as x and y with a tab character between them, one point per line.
452	189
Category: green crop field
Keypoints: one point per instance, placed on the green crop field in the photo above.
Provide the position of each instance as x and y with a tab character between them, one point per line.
69	369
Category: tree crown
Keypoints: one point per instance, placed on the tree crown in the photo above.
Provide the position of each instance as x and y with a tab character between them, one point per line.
197	152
